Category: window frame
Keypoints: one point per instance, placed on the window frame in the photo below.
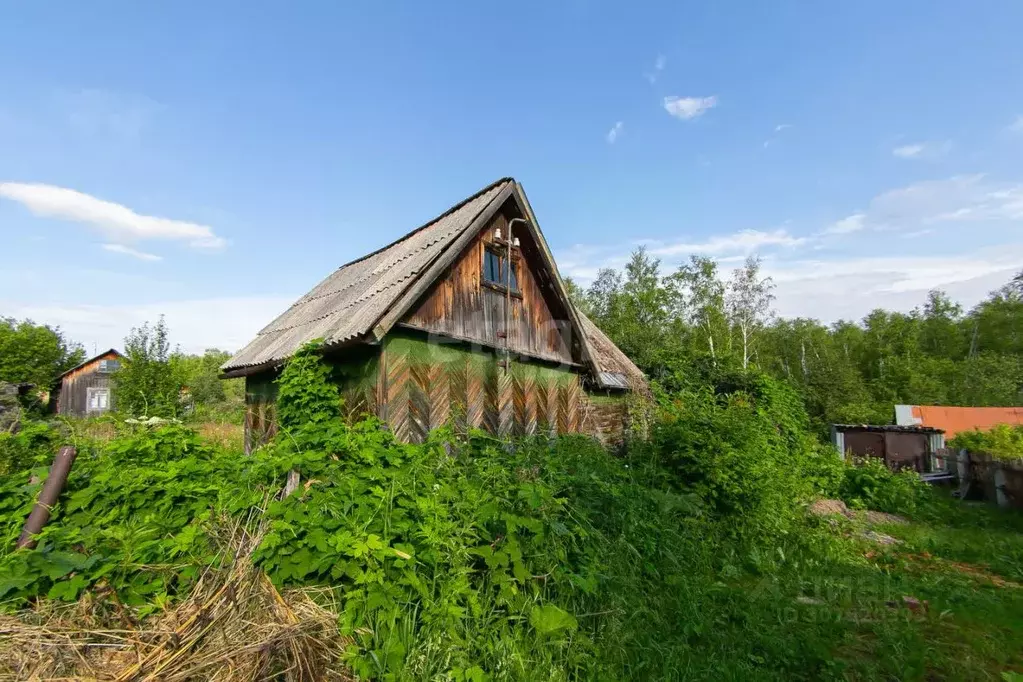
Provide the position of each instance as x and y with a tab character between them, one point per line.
108	366
500	251
92	392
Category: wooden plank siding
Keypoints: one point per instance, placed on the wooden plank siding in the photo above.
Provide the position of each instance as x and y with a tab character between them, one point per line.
461	306
73	395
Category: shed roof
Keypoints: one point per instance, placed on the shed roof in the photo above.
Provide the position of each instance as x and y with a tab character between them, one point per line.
887	428
954	420
361	300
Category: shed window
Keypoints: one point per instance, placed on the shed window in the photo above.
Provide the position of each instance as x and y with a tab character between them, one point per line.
98	399
494	264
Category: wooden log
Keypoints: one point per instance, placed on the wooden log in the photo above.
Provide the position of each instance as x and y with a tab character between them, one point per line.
48	497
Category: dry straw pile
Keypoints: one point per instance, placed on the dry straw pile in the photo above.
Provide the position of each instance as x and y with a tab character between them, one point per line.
234	626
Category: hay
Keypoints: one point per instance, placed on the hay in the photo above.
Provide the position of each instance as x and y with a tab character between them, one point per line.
233	626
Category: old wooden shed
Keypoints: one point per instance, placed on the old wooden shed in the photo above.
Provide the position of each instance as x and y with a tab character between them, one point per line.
87	389
464	319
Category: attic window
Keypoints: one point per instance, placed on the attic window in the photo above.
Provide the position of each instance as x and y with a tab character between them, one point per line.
494	272
107	366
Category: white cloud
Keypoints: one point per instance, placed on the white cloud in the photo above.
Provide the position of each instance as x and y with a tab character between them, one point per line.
659	65
782	126
959	198
923	150
688	108
118	222
743	242
1017	125
615	131
226	323
853	223
128	251
849	288
829	280
908	151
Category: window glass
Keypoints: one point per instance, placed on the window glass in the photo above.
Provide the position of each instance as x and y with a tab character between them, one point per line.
491	267
494	264
98	399
109	365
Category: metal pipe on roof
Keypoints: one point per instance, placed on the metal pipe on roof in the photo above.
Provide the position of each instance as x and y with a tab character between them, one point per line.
507	296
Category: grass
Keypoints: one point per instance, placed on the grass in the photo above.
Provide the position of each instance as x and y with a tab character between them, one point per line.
944	604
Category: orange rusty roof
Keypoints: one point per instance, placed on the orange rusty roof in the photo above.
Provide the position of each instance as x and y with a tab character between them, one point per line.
958	419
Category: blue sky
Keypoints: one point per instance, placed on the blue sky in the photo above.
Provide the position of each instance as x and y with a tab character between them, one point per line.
213	161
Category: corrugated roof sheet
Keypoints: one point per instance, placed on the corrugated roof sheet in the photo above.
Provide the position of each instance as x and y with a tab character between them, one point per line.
955	420
890	428
614	368
347	303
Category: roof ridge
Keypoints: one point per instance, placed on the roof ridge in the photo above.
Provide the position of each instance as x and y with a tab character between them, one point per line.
427	224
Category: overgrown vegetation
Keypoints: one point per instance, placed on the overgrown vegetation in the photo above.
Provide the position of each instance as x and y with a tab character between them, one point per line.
846	372
1002	442
469	558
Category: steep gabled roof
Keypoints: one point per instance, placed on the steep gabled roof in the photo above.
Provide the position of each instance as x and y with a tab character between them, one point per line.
363	299
347	304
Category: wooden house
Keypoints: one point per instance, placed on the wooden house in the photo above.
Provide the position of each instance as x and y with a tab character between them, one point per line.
87	390
462	320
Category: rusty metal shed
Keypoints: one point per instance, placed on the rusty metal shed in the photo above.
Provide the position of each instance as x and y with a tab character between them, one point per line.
917	447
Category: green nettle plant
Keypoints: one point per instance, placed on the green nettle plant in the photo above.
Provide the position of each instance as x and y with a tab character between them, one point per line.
869	484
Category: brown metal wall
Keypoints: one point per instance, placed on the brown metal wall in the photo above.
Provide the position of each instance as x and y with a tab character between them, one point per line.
460	305
898	450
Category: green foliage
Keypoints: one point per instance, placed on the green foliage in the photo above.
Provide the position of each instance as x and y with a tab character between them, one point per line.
146	384
1004	442
872	485
36	354
471	558
33	445
739	439
846	372
133	516
200	375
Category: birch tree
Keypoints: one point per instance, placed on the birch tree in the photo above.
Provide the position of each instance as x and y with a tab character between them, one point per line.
748	302
700	298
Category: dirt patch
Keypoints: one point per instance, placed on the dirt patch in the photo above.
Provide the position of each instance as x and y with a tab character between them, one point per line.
838	507
829	507
876	517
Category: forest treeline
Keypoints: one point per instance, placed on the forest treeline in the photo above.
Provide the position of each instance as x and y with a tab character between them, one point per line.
847	372
670	323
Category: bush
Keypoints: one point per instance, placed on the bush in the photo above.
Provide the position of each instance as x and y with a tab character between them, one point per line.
742	444
1004	442
869	484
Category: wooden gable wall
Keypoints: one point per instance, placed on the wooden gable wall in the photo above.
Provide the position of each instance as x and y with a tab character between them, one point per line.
463	307
73	395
